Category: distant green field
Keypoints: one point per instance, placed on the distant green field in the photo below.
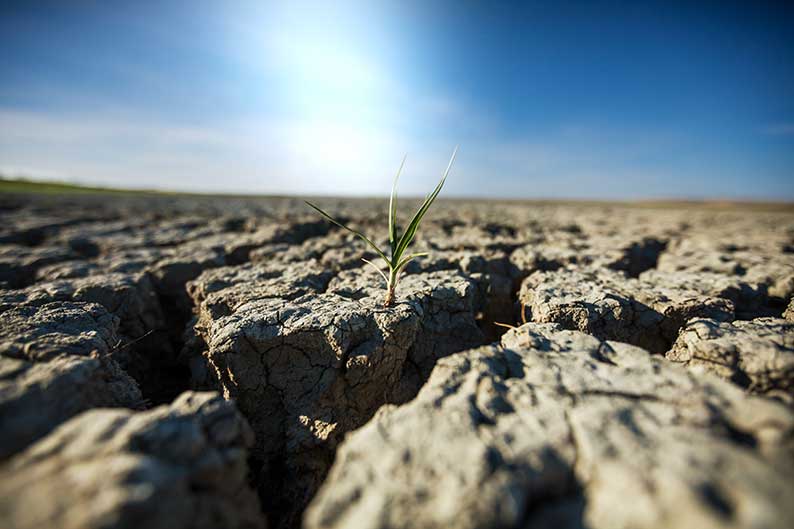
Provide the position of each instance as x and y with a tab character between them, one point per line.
28	186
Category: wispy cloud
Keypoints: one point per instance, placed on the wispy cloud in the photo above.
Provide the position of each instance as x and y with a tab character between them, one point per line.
309	156
286	156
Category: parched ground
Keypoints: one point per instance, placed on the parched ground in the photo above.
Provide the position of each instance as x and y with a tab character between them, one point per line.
176	361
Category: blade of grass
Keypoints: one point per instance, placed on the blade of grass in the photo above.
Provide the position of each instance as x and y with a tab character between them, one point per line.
410	231
351	230
383	275
393	209
408	258
398	270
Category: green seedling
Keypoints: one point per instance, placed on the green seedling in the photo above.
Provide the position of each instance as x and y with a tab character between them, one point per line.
398	258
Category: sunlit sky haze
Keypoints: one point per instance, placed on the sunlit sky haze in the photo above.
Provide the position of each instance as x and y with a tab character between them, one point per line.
555	100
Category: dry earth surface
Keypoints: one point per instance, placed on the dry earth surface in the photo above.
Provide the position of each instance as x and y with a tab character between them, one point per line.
170	361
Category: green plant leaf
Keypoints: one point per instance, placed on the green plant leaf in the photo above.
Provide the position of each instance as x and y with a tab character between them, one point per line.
410	231
373	265
408	258
393	210
351	230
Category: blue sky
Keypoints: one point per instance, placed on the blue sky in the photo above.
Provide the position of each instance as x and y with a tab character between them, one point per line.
563	100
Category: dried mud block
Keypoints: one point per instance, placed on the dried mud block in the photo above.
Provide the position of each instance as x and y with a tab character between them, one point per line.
562	436
142	351
307	370
757	257
611	306
40	333
491	272
20	264
750	299
131	298
757	354
182	465
632	254
56	361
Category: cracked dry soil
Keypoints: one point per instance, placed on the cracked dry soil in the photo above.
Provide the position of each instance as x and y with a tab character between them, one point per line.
219	362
